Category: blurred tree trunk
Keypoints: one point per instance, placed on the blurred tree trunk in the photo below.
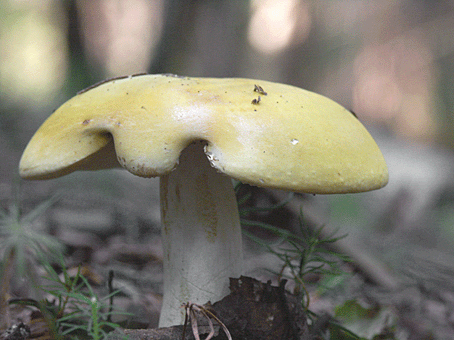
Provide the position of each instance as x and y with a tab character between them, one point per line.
81	75
202	38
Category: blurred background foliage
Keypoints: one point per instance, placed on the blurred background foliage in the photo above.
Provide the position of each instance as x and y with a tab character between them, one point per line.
389	61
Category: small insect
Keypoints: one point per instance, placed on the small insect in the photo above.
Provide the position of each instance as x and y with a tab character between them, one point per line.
192	309
256	101
259	89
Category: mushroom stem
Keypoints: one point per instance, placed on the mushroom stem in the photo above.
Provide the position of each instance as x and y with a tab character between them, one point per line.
201	234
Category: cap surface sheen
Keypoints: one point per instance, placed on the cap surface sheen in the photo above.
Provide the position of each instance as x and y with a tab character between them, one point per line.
289	138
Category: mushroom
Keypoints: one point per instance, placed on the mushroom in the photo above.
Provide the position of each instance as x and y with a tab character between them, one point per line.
197	134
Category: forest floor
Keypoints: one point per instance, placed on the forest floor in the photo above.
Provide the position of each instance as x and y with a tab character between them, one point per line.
110	226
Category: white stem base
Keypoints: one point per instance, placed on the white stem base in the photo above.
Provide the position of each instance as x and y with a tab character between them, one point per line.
201	235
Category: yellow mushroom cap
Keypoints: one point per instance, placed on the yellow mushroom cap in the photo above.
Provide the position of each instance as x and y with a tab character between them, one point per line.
258	132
